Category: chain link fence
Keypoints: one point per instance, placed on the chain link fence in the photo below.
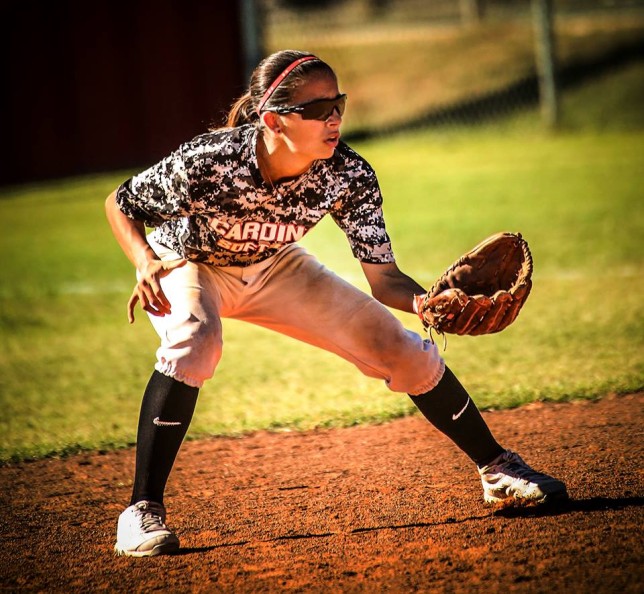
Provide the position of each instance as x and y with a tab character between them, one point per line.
406	63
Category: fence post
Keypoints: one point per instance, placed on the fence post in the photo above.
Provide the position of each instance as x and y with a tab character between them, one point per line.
471	11
542	16
252	35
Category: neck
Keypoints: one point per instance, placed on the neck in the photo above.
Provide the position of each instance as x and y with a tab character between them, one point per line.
276	161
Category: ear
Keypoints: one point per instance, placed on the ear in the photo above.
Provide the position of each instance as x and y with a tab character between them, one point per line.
271	121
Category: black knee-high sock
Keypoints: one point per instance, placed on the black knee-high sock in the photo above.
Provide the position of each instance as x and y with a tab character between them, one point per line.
451	410
166	412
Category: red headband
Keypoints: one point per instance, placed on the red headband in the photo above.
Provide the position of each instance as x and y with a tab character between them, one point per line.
276	83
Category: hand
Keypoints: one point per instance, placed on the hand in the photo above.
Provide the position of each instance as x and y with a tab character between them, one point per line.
148	289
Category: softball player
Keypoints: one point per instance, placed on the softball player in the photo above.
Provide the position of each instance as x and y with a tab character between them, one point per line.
228	209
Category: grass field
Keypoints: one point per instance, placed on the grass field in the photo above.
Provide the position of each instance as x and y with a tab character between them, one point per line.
72	370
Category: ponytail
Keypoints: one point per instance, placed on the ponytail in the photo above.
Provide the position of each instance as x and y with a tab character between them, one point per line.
242	112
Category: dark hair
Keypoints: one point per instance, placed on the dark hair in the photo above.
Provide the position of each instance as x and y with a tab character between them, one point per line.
244	110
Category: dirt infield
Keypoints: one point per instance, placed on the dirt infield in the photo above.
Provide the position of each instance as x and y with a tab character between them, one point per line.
389	508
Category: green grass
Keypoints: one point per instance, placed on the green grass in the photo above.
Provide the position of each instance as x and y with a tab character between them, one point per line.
72	370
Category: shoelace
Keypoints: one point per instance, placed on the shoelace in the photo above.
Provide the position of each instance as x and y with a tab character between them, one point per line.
150	520
521	469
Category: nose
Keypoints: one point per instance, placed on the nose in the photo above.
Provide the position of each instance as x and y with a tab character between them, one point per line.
335	117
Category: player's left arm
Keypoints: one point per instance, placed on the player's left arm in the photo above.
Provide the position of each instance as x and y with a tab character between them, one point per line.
391	286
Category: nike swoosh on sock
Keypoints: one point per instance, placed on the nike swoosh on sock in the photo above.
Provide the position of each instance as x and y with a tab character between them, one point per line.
161	423
457	415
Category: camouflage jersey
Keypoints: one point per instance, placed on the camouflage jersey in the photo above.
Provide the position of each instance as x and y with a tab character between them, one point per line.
208	202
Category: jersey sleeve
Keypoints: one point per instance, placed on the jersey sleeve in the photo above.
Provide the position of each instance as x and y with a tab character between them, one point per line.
359	214
159	194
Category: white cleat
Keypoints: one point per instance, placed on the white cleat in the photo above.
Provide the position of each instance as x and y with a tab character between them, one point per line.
508	477
142	532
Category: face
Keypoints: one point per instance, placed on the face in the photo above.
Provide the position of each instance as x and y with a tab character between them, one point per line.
312	139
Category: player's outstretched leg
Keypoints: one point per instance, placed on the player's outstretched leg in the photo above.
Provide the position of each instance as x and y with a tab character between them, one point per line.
504	474
166	412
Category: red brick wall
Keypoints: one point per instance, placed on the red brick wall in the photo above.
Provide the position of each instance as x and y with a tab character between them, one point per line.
96	85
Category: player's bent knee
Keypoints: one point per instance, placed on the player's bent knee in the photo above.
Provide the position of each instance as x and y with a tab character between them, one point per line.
191	353
416	365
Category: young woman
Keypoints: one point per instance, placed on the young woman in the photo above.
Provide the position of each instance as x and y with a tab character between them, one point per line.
227	210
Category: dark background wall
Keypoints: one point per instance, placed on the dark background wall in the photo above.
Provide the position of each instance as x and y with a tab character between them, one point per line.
96	85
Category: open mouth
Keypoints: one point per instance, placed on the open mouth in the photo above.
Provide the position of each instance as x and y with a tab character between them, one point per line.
333	140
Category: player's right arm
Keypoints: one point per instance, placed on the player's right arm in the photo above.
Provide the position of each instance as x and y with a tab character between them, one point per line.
130	235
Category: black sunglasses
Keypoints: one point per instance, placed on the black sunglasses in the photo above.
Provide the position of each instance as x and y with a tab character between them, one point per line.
320	109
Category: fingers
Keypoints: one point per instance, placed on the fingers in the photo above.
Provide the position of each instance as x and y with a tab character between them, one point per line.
149	302
132	301
148	290
160	301
153	299
154	296
138	295
172	264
